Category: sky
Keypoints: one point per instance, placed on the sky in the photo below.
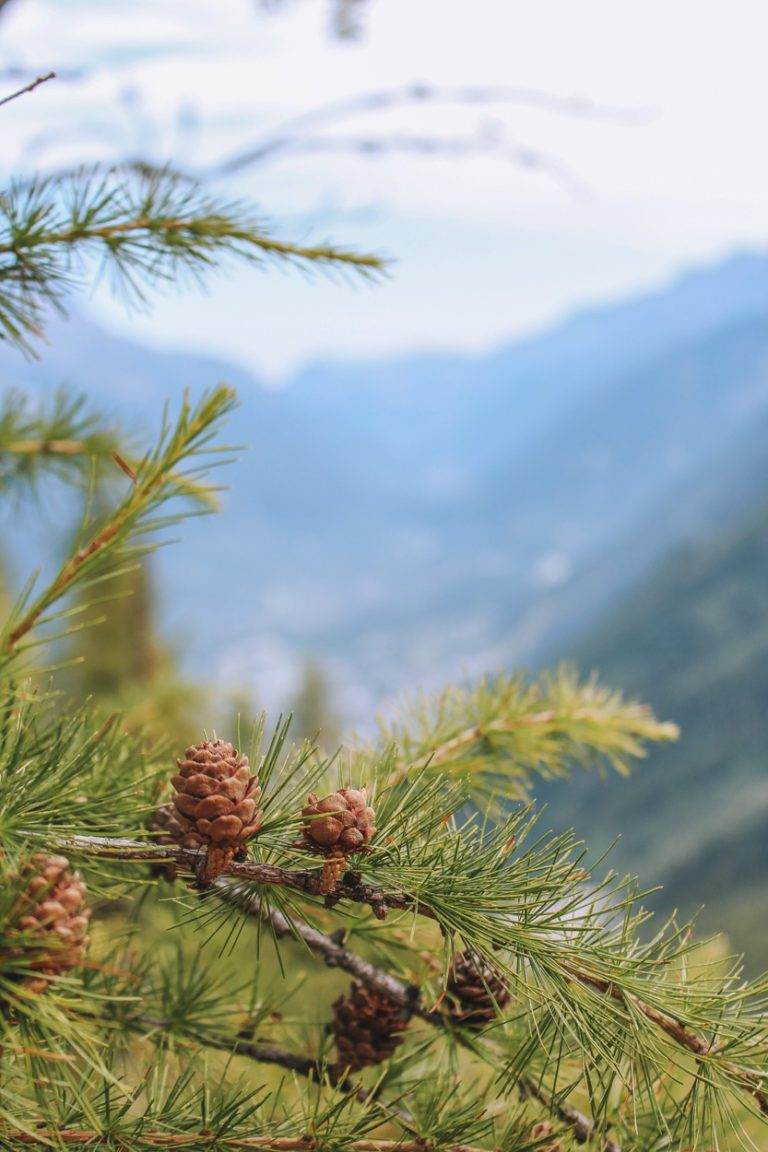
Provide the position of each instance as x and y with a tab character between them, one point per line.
668	170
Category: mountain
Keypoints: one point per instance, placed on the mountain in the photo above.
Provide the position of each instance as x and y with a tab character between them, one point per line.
693	641
412	520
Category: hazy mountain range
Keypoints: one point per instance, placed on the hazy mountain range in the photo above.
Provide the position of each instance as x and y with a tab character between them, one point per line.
415	519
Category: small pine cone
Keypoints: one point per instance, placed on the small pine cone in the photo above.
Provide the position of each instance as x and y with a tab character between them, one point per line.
215	804
53	909
367	1027
338	824
476	992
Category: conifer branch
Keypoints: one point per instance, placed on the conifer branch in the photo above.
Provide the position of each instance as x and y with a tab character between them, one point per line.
334	953
260	1053
516	729
337	955
158	480
152	1140
58	435
148	227
309	882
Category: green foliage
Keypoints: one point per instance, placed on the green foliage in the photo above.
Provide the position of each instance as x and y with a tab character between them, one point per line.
147	227
506	731
69	773
58	436
616	1034
163	475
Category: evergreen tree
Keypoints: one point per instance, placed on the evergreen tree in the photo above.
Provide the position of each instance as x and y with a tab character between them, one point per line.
502	993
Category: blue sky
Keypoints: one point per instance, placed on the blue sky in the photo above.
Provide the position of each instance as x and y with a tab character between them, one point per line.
483	250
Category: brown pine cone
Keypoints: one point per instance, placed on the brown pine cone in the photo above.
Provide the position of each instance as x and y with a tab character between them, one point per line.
341	823
337	826
476	992
367	1027
215	804
52	908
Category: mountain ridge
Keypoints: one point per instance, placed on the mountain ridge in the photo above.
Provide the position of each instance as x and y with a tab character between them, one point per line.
411	526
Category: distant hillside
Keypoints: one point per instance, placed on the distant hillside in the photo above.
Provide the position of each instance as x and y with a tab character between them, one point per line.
693	640
414	520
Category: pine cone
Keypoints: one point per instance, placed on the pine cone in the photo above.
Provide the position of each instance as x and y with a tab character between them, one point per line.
476	992
341	823
367	1027
214	804
53	909
337	826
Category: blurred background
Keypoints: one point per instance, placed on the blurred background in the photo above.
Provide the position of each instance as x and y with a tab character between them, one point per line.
544	435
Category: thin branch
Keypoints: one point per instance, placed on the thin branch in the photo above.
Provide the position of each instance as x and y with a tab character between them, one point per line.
683	1036
46	447
298	129
262	1054
28	87
222	228
548	718
336	955
310	881
582	1127
162	1138
157	478
481	143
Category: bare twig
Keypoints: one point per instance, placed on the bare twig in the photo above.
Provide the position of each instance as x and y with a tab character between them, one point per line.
333	952
481	143
298	129
28	87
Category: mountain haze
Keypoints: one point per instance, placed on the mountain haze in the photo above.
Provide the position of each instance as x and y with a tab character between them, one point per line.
415	519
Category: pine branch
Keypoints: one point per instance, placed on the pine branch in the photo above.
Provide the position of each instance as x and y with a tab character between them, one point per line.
337	955
58	435
306	1066
582	1127
330	948
562	959
159	479
309	881
508	728
154	1140
148	227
